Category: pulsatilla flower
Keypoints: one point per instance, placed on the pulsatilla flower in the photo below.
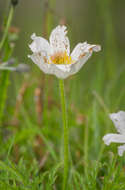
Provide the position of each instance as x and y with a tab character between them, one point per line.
54	57
119	122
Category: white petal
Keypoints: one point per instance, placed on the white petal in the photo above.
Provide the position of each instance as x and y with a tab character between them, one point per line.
77	51
60	71
65	68
83	49
121	150
59	42
39	61
82	54
117	138
119	121
39	44
78	65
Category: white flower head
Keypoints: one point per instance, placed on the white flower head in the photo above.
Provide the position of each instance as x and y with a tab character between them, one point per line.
119	121
54	57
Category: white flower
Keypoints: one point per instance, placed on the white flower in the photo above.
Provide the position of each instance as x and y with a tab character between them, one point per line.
119	122
54	57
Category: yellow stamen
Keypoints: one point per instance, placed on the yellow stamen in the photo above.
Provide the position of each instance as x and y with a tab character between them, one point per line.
61	58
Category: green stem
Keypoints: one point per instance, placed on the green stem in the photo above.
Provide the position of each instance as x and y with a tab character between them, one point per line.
86	149
10	16
66	135
4	79
7	68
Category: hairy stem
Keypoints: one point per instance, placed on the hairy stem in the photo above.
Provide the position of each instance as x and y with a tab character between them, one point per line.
65	135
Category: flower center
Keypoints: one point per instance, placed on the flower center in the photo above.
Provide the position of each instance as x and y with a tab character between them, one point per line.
61	58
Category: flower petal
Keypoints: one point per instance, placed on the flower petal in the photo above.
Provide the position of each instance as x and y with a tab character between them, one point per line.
39	44
119	121
82	50
60	71
39	61
65	68
80	54
117	138
59	42
121	150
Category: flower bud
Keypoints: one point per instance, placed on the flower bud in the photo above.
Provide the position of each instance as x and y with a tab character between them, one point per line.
14	2
22	68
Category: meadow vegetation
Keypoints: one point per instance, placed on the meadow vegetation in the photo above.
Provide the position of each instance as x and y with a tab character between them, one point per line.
31	144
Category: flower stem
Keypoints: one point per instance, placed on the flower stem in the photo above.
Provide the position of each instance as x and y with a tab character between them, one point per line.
10	16
65	137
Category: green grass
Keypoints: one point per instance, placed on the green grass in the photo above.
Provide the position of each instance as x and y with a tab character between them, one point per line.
31	144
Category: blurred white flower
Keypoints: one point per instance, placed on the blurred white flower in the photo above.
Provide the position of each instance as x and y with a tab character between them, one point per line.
119	122
54	57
